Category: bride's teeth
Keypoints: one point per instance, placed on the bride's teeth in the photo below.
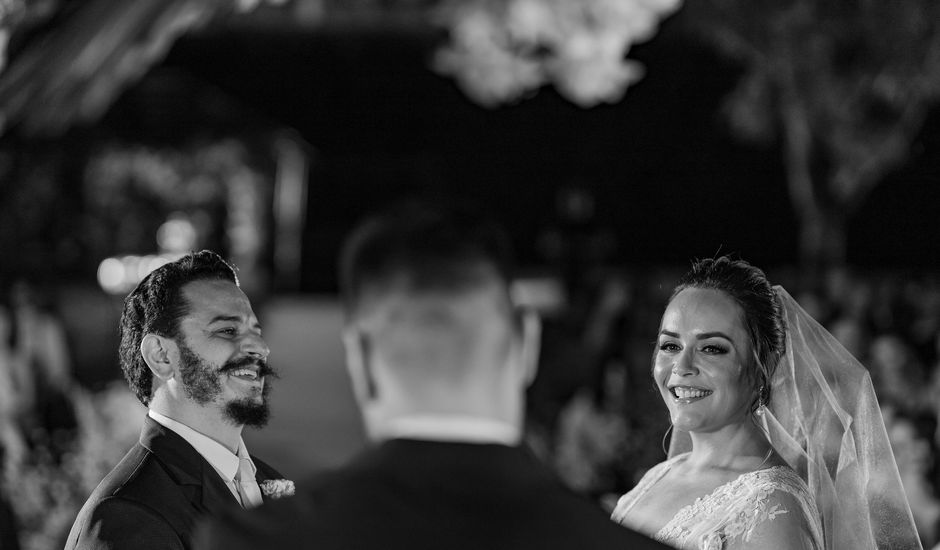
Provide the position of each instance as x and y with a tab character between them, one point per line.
688	393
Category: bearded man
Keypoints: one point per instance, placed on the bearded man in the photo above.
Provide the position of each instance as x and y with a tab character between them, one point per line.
192	351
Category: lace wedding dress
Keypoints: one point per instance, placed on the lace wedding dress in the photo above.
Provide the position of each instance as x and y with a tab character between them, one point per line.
729	515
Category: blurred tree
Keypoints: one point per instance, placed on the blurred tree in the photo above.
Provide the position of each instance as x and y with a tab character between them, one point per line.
844	85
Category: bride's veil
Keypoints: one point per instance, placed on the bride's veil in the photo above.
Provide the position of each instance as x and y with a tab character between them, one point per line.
824	420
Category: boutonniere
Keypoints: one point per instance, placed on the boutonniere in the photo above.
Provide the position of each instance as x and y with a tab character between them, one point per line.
277	488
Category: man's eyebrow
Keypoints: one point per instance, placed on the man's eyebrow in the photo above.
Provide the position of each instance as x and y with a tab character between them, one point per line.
232	319
225	318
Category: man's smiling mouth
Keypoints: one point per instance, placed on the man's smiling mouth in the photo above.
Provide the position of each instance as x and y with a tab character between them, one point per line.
244	373
248	369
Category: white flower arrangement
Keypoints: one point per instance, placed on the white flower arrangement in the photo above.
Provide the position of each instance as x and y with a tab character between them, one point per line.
503	50
277	488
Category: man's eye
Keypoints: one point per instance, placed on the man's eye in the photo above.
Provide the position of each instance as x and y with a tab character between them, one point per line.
228	331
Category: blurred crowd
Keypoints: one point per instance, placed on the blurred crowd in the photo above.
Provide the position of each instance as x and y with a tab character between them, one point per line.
36	410
593	411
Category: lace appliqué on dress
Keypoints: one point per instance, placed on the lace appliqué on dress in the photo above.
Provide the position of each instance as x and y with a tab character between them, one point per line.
731	512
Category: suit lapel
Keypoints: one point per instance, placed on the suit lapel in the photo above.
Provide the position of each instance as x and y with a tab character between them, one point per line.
196	478
263	472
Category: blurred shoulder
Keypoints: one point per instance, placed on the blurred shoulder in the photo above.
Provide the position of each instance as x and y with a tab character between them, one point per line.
115	522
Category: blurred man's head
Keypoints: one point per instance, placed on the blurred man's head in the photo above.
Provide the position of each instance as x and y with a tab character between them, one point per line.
431	325
191	344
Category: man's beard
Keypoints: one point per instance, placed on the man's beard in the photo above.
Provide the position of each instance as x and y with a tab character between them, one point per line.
202	383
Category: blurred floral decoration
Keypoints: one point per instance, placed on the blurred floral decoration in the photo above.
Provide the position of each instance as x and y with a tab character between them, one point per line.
47	491
500	50
73	58
210	195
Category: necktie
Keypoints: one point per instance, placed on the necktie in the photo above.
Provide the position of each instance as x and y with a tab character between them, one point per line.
245	482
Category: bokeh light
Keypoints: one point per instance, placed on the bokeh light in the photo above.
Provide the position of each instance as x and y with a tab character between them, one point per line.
120	275
177	234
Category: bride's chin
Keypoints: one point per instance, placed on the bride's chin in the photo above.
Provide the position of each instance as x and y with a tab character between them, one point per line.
686	422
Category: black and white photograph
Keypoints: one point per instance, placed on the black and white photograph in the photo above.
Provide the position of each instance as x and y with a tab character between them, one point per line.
469	274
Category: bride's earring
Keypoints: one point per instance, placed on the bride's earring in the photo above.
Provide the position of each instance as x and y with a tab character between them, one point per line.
665	435
761	406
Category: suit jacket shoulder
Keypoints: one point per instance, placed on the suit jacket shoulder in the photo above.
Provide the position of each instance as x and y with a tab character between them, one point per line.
139	504
154	497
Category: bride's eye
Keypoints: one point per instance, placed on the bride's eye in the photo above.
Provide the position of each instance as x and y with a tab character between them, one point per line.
669	347
714	349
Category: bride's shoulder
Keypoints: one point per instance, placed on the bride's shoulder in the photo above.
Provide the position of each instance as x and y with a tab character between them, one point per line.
779	478
779	511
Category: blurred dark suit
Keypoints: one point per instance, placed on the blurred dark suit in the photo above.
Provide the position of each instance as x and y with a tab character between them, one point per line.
154	496
410	494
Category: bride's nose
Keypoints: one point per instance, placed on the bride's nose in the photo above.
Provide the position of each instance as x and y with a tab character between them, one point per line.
683	365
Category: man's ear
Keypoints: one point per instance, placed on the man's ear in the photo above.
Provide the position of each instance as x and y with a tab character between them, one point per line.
156	353
357	363
531	344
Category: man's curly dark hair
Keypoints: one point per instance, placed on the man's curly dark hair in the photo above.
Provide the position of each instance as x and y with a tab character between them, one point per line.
157	305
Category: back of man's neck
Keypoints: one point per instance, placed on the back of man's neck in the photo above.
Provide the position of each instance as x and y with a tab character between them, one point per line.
449	427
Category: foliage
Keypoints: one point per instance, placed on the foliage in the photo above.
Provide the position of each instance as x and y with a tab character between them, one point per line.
846	86
131	190
47	489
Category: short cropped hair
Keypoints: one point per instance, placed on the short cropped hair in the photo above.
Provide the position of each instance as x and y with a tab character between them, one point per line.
157	305
763	316
430	247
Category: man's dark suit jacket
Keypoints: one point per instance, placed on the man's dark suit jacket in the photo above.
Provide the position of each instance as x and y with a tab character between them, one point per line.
408	494
153	498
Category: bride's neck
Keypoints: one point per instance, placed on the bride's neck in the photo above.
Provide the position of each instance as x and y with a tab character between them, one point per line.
734	448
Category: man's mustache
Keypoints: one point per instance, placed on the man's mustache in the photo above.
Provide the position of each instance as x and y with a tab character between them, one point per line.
263	368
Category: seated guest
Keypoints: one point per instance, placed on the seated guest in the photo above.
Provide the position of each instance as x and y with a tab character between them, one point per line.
439	360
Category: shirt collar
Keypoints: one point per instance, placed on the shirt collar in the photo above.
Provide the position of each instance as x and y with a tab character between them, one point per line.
454	428
220	458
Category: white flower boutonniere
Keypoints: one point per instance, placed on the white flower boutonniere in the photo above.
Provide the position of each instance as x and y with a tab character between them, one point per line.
277	488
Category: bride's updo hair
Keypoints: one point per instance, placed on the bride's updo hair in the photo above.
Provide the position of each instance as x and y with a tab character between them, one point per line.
763	317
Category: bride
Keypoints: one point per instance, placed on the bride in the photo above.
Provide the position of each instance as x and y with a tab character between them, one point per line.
777	439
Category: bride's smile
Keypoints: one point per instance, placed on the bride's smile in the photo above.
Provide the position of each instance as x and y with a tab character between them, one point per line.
689	394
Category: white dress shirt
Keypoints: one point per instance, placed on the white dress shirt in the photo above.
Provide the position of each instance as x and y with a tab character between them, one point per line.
224	461
452	428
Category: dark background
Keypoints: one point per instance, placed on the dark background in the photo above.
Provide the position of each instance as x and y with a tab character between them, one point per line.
669	181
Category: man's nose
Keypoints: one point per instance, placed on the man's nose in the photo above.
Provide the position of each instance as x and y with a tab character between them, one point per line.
254	345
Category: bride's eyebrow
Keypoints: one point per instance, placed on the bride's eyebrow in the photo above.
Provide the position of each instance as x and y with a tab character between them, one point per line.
718	334
702	336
